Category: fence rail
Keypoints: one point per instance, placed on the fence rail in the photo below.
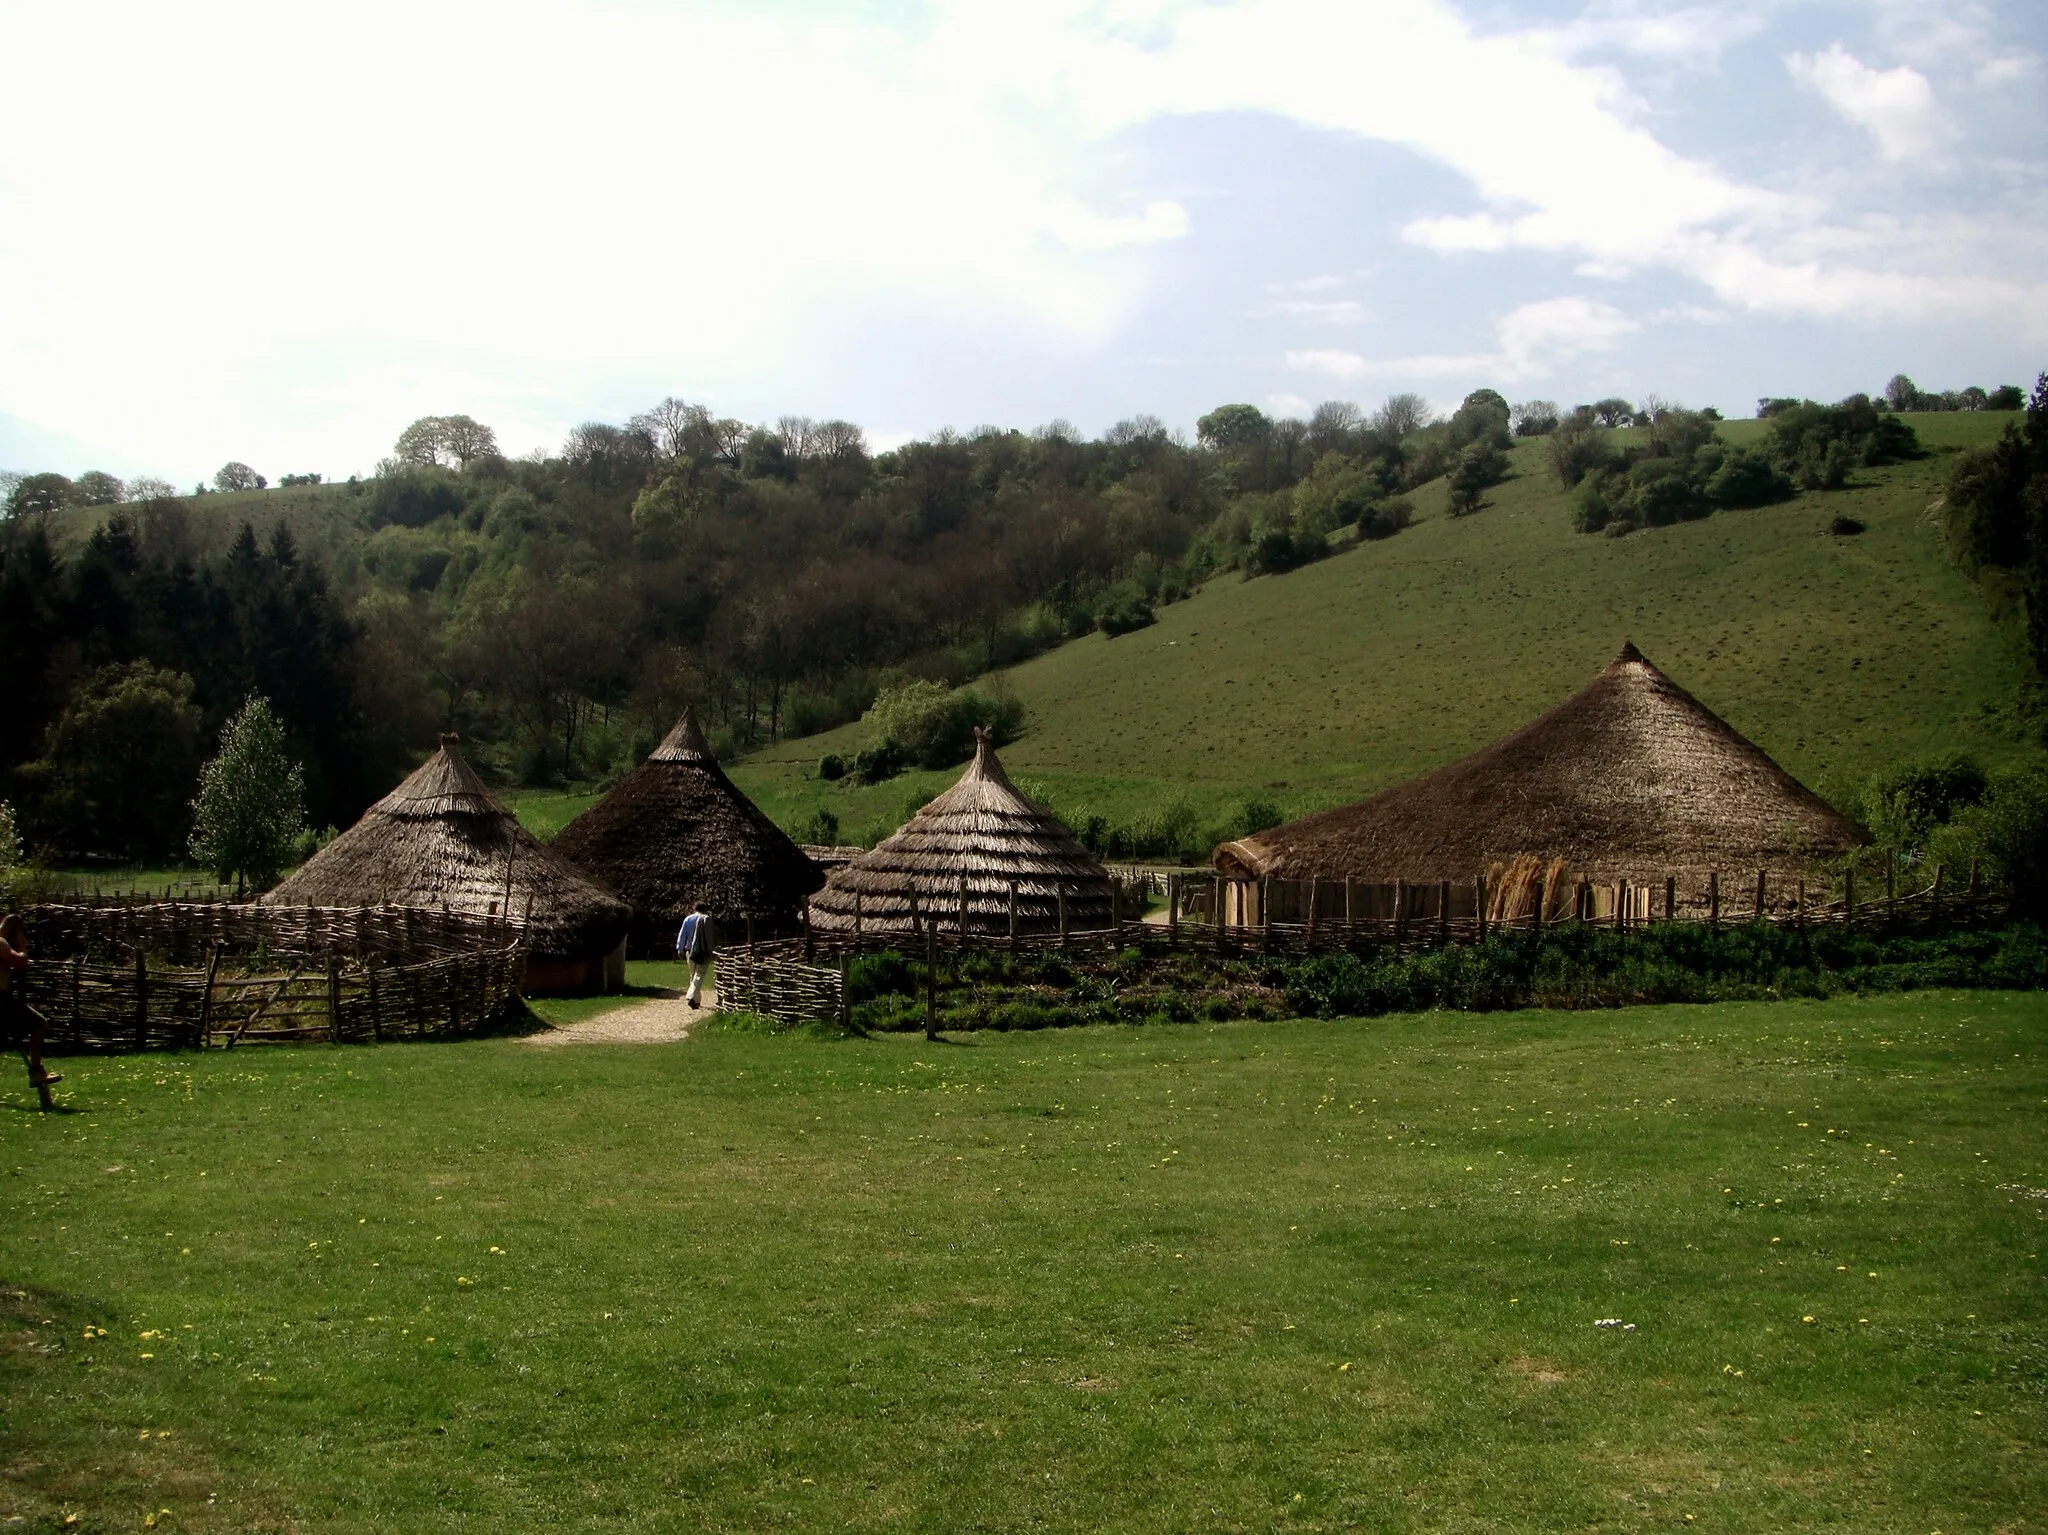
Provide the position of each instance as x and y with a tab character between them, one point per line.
194	975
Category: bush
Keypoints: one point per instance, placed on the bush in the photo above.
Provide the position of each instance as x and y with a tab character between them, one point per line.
1123	608
1902	806
831	767
2005	829
877	764
1747	478
821	830
929	725
1819	444
1383	519
1575	450
1844	527
1480	464
1257	815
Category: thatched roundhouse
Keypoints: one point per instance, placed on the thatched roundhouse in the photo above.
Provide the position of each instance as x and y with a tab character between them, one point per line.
676	831
440	839
981	831
1630	780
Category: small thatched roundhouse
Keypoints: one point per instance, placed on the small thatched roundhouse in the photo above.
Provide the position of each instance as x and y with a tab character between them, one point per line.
675	831
981	831
440	839
1630	780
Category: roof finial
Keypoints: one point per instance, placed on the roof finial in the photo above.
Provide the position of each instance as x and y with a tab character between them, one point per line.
449	739
1628	652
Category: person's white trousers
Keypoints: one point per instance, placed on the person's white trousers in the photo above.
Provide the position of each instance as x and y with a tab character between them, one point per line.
697	969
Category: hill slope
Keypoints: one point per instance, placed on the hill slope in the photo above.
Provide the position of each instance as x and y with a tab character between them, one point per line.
1836	654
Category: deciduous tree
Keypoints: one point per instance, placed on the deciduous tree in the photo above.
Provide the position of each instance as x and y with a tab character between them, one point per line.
251	807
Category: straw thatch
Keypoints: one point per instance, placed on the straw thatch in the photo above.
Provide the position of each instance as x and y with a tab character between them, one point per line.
1631	778
439	839
675	831
986	832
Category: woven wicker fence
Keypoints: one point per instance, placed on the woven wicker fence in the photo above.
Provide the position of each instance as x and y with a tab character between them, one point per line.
172	975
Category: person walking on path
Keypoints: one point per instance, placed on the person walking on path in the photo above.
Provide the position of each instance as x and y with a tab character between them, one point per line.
21	1025
697	943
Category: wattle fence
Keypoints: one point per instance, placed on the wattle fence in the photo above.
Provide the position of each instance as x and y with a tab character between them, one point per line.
804	979
171	975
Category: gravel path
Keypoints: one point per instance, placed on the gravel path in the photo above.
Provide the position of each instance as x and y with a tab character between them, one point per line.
662	1020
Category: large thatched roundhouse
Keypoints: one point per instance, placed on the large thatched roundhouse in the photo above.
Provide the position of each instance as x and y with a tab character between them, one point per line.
985	832
1630	780
675	831
440	839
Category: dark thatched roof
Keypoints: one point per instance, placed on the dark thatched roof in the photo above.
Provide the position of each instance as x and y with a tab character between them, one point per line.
1629	778
440	838
981	829
675	831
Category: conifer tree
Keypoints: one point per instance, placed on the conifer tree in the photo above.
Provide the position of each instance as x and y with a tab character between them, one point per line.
252	801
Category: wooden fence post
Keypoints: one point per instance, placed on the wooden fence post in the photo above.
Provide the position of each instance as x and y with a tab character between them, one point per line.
141	999
963	906
1536	916
1714	897
1934	911
1013	916
931	984
1443	911
1670	898
1479	903
1974	891
1116	909
1062	890
845	995
334	996
1759	895
1400	909
1848	897
206	999
1315	895
1172	910
1265	913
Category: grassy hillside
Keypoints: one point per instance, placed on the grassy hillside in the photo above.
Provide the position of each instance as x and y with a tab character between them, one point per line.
1836	654
1284	1276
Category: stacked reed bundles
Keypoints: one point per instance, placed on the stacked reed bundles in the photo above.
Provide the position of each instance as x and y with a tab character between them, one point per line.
440	839
957	861
1630	779
676	832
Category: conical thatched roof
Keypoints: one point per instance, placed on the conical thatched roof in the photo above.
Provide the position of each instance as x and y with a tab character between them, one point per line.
984	829
1629	778
675	831
440	837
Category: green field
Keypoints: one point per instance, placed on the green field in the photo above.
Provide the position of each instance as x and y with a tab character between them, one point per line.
1837	655
1281	1276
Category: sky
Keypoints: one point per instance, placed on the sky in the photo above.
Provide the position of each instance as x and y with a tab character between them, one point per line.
278	234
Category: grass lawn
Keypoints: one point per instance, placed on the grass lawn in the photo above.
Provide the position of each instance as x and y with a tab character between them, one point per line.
1838	655
1252	1276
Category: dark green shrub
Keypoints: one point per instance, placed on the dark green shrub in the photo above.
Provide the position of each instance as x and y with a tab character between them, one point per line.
831	767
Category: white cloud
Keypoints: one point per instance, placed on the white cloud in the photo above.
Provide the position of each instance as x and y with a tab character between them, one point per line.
1895	106
1532	342
277	236
2008	69
1340	311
